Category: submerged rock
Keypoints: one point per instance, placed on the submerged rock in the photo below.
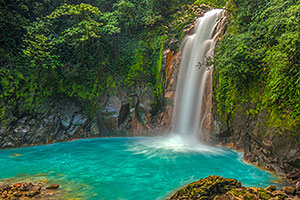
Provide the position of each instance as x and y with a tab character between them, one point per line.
15	155
51	187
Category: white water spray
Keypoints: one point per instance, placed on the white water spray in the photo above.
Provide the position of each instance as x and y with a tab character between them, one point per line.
189	111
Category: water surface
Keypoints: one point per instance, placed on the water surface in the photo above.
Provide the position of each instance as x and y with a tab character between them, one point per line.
127	168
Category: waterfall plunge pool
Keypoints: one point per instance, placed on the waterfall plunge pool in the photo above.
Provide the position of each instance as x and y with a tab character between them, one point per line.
127	168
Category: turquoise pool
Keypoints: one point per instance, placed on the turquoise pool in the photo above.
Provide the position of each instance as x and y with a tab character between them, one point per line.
127	168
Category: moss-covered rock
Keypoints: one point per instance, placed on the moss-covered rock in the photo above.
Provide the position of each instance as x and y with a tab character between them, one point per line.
206	188
219	188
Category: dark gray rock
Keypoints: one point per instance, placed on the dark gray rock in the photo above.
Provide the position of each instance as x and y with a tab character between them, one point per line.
265	146
144	108
61	121
122	113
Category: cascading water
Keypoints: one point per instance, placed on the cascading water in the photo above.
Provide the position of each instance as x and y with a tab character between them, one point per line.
189	111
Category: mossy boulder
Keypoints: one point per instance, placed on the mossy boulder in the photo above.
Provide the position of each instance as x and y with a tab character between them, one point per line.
219	188
206	188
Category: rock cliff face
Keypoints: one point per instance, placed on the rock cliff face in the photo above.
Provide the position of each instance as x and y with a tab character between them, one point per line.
123	113
268	147
262	145
64	119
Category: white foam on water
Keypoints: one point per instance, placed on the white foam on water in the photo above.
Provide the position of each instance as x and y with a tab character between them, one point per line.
166	146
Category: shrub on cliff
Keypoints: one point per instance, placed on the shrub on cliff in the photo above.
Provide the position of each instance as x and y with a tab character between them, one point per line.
258	61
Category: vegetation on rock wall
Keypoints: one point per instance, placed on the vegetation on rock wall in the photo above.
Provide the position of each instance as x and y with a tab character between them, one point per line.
51	49
258	62
81	48
212	3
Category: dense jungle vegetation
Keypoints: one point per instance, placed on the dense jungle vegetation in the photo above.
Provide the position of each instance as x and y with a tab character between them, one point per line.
81	48
258	62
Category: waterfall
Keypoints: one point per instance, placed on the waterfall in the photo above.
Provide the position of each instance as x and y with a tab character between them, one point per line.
193	77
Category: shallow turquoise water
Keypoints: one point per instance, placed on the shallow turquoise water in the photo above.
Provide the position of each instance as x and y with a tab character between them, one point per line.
128	168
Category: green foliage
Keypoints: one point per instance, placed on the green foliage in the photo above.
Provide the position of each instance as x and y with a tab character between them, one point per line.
135	74
57	60
164	7
77	48
159	80
14	16
212	3
134	16
66	48
257	61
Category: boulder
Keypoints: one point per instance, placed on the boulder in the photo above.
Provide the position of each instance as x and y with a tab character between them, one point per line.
144	107
297	188
51	187
294	176
271	188
111	112
206	188
28	190
17	194
219	188
124	112
289	190
62	120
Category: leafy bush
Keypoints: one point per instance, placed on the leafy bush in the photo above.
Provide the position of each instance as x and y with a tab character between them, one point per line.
258	60
50	49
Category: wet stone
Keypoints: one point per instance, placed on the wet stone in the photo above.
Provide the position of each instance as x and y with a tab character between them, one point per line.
37	188
271	188
15	155
17	185
32	193
17	194
218	188
289	190
51	187
27	191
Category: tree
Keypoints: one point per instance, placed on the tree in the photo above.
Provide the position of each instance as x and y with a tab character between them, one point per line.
213	3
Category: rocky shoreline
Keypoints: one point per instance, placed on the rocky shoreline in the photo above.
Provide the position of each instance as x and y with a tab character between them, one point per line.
219	188
210	188
264	148
29	191
291	178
